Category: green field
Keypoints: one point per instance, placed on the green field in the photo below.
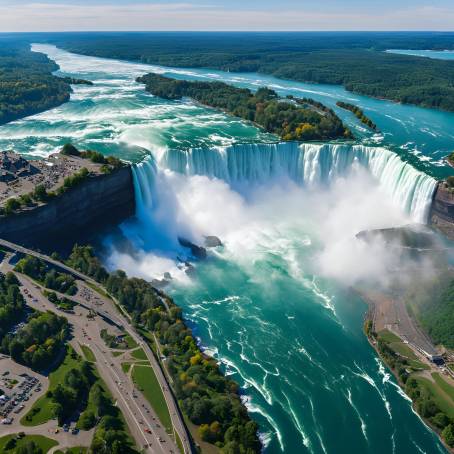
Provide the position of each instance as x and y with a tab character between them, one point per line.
130	341
41	410
438	395
396	344
42	442
139	354
388	336
179	443
147	382
75	450
117	353
125	367
444	385
89	355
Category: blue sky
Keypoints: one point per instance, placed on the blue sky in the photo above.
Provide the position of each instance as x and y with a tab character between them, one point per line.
68	15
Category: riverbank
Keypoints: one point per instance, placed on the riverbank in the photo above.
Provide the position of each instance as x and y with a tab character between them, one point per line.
429	386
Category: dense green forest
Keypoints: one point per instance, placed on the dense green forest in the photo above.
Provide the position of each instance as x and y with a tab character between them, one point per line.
206	396
287	119
12	304
27	85
355	60
359	114
37	344
49	278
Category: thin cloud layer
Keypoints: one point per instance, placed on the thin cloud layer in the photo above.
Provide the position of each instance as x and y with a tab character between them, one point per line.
16	17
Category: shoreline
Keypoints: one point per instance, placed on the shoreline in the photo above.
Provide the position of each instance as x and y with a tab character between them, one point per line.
371	336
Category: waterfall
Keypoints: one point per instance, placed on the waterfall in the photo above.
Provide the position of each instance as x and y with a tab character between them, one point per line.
144	179
309	165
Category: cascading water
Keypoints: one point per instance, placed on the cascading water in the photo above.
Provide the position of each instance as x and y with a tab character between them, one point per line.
310	165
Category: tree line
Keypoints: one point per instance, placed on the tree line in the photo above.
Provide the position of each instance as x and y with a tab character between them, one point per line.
359	114
355	60
287	119
27	85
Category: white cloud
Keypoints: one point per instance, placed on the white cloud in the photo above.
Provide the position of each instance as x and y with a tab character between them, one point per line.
187	16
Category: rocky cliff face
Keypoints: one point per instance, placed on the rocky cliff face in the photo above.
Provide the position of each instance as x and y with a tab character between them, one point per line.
94	204
442	210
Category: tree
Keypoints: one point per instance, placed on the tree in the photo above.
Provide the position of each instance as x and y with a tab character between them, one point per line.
10	444
40	193
11	205
440	420
448	435
87	420
70	150
11	279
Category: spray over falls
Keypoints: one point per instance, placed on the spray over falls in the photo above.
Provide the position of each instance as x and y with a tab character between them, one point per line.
308	165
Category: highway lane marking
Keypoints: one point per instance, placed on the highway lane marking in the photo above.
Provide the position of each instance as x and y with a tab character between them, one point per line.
130	410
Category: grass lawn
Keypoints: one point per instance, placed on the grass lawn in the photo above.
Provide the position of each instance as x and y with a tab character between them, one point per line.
150	340
43	442
444	385
206	448
416	364
139	354
74	450
147	382
118	353
99	290
89	355
125	367
179	443
438	395
403	350
41	409
388	336
130	342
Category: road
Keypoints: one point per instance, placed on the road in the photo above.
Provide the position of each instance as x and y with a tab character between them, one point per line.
111	372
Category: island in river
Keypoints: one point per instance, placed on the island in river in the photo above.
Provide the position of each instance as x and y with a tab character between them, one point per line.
288	119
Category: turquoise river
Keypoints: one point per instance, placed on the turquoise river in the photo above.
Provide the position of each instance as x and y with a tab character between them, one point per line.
272	304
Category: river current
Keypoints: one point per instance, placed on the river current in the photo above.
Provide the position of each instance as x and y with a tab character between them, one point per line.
272	304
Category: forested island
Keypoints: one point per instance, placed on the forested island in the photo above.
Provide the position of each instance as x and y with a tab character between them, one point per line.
355	60
287	119
27	85
359	114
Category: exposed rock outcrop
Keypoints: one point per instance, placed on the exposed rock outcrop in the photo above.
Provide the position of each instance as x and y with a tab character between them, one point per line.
95	203
442	210
212	241
198	252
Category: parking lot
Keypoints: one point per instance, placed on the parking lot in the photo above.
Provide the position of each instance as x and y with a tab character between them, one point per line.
19	387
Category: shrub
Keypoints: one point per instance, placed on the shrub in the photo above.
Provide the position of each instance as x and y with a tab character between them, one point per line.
11	205
40	193
10	444
70	150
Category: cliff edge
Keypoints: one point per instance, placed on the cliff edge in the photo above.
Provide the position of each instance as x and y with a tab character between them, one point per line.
442	210
96	202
